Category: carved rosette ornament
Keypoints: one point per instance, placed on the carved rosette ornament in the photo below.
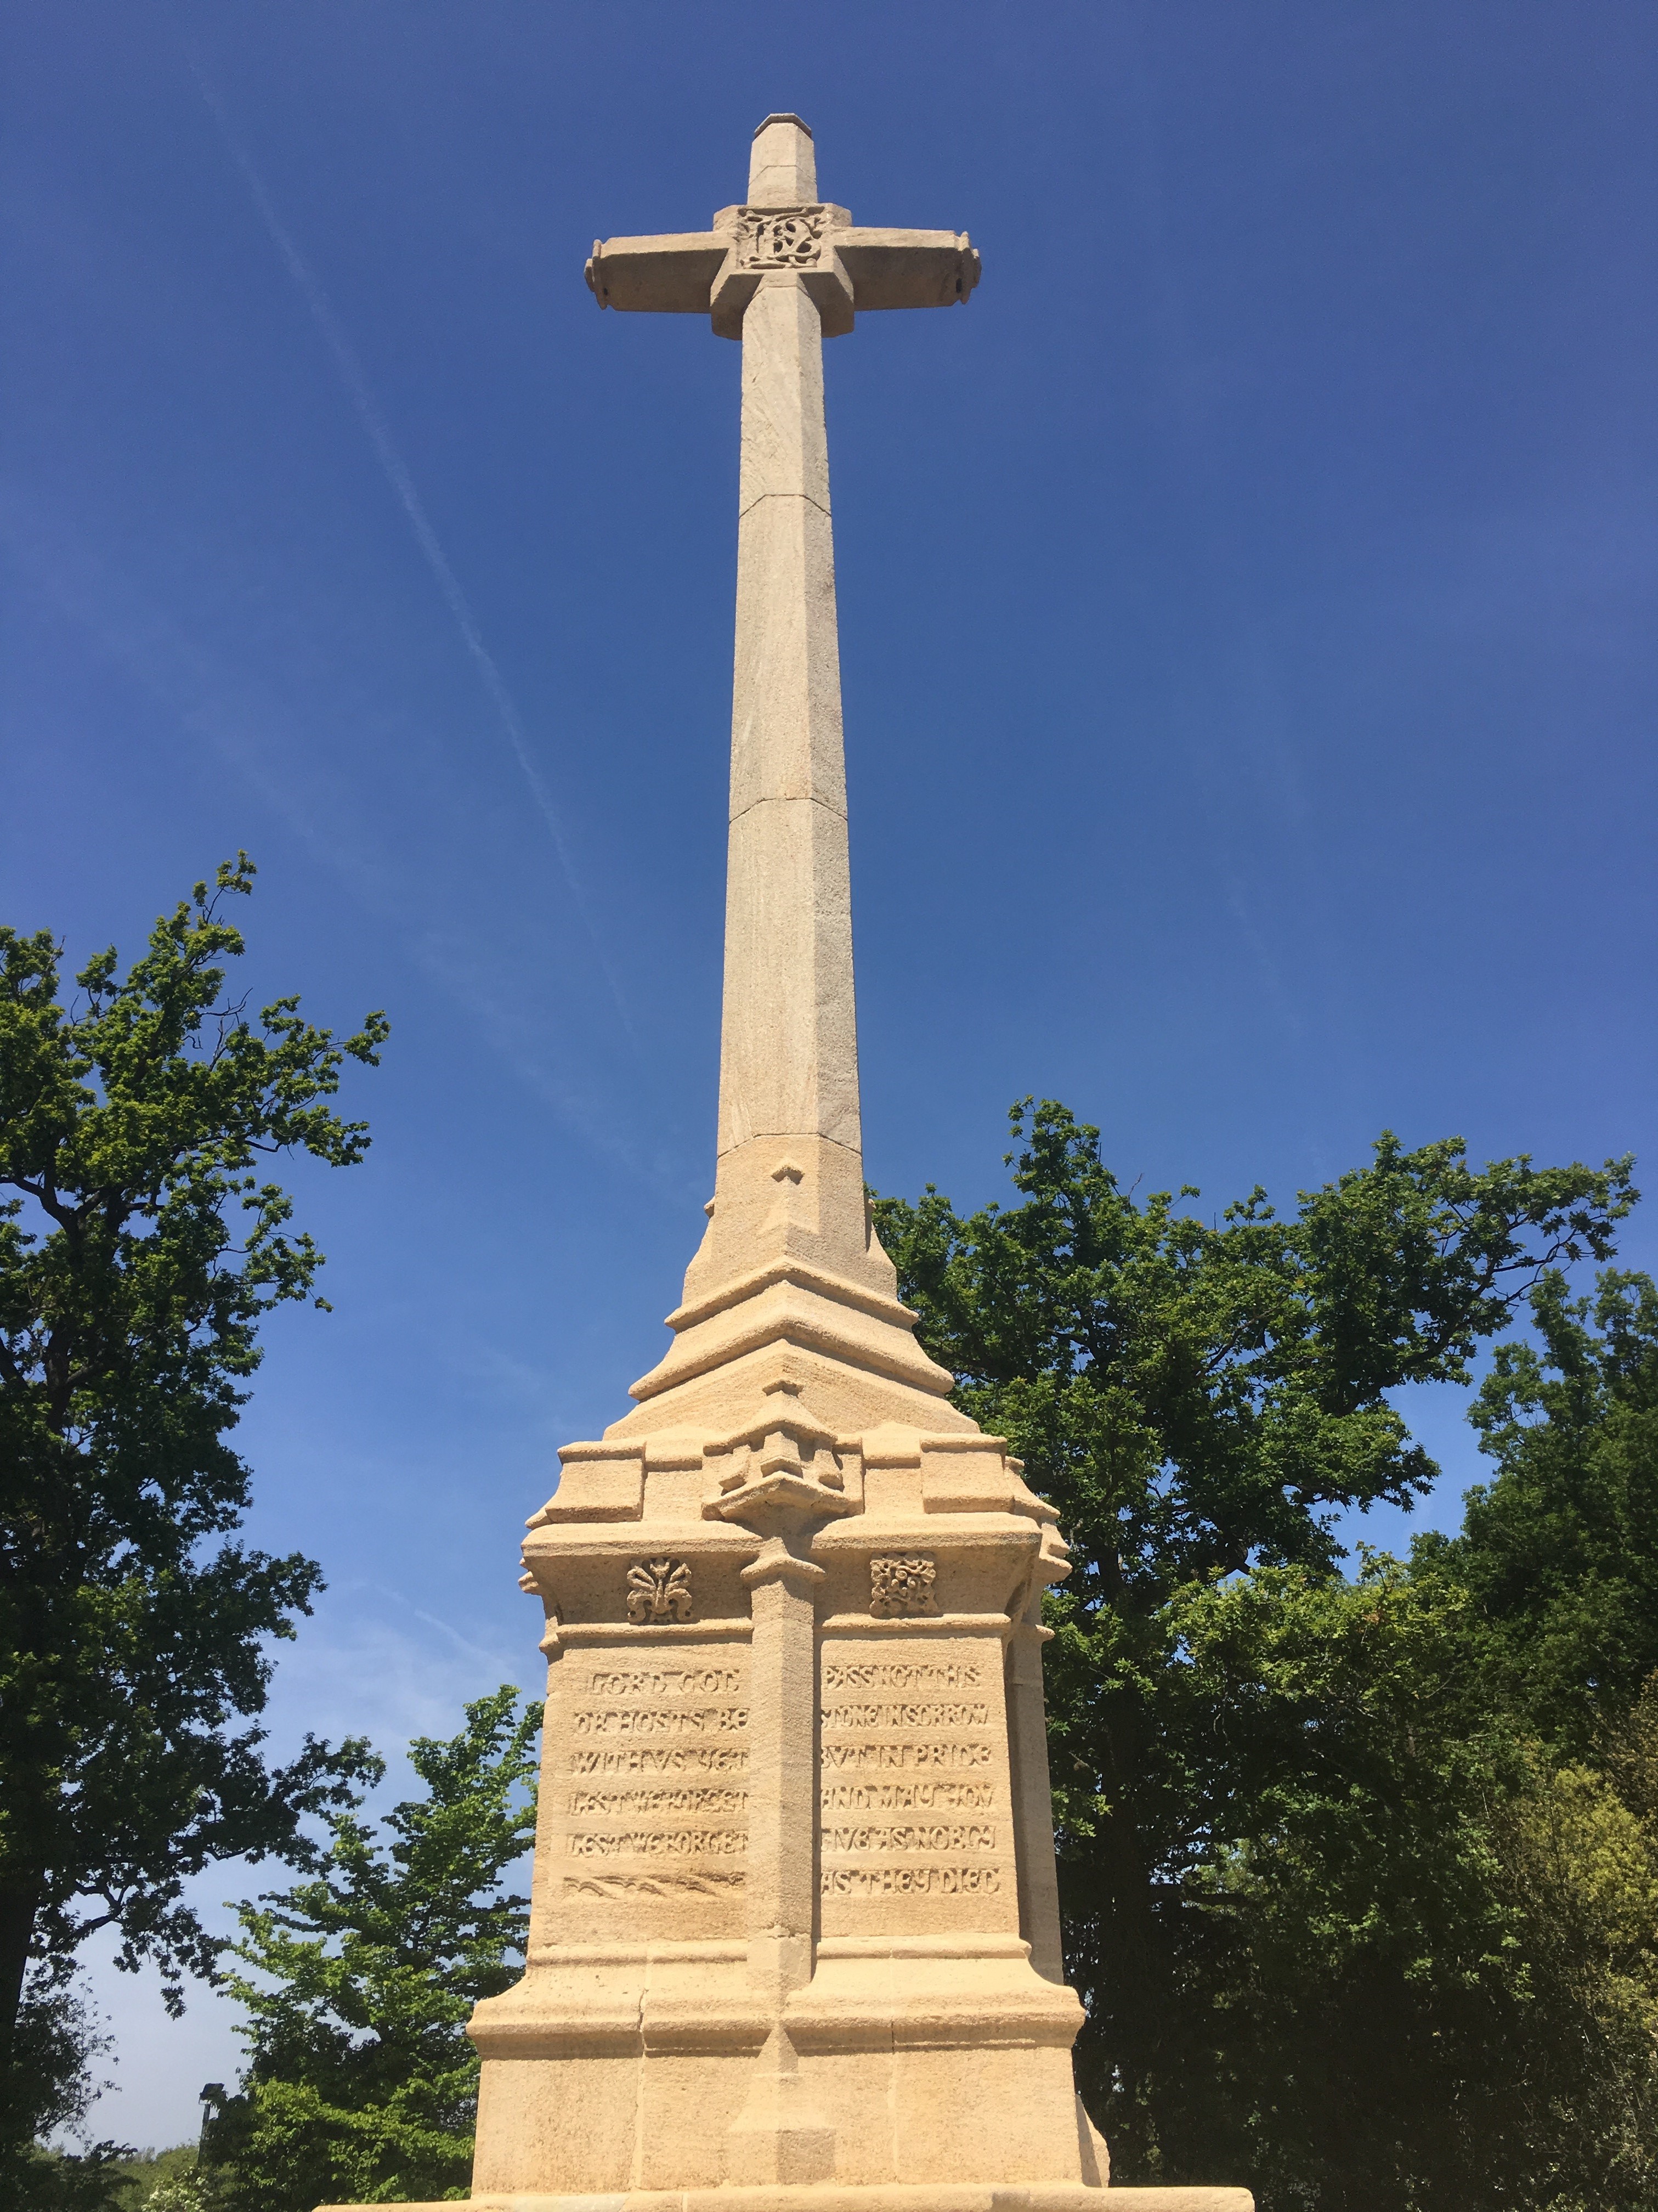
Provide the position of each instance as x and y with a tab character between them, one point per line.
901	1587
658	1589
779	238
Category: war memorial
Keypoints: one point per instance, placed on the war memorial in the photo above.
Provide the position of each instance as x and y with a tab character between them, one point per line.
794	1944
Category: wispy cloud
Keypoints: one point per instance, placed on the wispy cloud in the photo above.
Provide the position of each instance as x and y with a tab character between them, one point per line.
228	708
349	371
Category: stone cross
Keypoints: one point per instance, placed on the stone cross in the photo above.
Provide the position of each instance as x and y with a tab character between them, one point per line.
794	1937
782	272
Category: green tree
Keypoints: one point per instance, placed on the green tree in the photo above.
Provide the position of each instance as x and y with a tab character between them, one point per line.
1419	1965
1579	1849
362	2086
49	2087
181	2192
110	2179
1198	1399
132	1125
1560	1549
162	2181
38	2180
1339	1952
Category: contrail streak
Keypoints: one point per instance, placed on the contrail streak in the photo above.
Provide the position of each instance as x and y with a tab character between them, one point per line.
350	370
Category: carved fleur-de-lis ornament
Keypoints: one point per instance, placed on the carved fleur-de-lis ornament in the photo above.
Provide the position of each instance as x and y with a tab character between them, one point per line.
658	1589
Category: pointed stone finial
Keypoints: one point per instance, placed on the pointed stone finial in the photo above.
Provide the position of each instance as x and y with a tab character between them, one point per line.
783	165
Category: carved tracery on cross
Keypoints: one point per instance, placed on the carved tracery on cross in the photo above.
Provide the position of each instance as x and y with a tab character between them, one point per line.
779	238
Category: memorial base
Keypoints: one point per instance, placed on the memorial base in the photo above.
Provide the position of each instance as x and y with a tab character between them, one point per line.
886	2197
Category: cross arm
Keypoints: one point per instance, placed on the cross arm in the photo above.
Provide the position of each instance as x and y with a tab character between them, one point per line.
844	265
672	275
906	268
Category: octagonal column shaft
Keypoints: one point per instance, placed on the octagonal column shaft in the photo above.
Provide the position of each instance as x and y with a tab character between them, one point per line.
788	1077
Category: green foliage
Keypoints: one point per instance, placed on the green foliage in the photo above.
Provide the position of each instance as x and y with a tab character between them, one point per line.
1292	1812
1561	1550
1327	1974
1579	1847
109	2177
92	2180
112	2178
362	2086
132	1125
1192	1393
182	2189
163	2181
1421	1969
49	2087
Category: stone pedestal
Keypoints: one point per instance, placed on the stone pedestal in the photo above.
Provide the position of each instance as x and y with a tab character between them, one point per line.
794	1940
794	1943
786	1896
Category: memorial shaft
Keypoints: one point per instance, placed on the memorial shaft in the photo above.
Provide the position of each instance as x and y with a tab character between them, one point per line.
788	1045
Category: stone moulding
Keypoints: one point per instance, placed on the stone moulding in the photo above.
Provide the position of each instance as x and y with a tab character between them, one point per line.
659	1635
788	1308
880	2196
805	1276
940	1624
597	1482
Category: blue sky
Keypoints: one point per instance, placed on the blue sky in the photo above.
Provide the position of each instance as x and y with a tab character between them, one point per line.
1248	635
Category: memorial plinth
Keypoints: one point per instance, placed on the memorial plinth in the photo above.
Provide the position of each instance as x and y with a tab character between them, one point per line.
794	1941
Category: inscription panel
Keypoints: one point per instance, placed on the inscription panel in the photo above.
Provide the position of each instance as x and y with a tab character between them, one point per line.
914	1829
647	1789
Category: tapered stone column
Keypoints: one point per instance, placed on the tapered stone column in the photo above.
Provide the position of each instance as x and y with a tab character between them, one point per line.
788	1041
788	1055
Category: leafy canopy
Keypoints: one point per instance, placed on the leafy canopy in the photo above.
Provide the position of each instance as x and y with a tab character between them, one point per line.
141	1245
362	2086
1417	1966
1195	1395
1280	1890
1561	1549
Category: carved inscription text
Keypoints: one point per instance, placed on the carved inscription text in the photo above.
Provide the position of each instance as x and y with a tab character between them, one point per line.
909	1765
779	238
654	1767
